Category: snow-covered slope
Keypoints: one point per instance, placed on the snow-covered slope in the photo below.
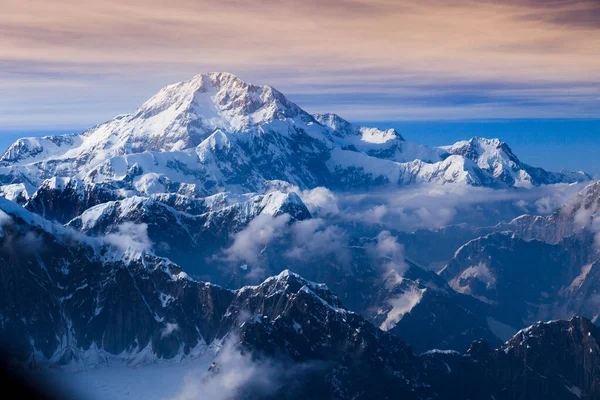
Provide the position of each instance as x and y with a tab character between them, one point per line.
496	158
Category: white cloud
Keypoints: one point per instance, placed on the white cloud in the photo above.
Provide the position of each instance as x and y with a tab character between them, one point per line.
375	214
317	238
435	206
231	373
391	253
320	201
300	240
130	236
401	305
169	329
251	241
236	374
256	273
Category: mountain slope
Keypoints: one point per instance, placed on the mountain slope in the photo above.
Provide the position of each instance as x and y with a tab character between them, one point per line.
78	302
196	243
496	158
526	281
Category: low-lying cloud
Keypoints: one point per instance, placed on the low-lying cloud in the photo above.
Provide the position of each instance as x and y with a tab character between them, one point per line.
316	238
237	374
390	256
321	201
130	237
249	243
296	240
168	330
435	206
401	305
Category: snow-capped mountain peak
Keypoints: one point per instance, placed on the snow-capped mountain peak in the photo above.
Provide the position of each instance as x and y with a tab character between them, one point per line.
220	100
183	114
496	158
484	151
344	129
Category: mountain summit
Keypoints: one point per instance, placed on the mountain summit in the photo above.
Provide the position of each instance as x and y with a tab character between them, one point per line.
185	113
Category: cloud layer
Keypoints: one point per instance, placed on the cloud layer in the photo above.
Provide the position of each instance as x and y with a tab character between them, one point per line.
411	59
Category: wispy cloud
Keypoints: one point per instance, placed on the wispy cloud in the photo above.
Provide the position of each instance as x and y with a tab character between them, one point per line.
236	374
130	236
433	206
344	47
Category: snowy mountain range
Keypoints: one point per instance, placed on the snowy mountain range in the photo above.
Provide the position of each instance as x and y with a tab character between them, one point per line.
205	217
216	133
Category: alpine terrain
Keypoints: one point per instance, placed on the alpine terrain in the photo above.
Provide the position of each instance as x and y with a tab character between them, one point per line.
300	254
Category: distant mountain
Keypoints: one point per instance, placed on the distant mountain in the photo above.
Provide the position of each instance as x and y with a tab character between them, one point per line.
424	311
581	213
535	267
497	159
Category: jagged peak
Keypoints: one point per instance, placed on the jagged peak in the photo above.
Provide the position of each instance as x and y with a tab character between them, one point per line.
273	204
288	282
587	199
283	280
343	128
592	190
334	122
224	94
583	326
276	203
477	147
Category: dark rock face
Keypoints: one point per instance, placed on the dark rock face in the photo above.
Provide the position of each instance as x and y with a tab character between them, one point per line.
62	296
555	360
434	316
67	200
440	322
70	299
310	325
524	281
578	366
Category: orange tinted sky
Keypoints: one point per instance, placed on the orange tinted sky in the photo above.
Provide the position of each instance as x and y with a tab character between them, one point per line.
88	60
